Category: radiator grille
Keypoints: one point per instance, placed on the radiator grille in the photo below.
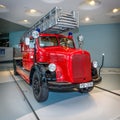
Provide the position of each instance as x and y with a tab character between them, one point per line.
81	68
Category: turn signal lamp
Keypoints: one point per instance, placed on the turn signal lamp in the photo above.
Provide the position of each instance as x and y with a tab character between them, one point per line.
38	30
70	34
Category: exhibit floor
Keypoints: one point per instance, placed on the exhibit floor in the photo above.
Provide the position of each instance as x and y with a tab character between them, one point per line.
97	105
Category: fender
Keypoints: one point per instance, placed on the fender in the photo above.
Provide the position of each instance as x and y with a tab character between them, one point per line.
59	74
37	67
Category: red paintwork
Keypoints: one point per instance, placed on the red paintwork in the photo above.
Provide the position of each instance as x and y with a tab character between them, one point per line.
73	65
23	75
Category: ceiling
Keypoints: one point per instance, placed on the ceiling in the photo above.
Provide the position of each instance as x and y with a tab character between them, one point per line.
15	11
7	26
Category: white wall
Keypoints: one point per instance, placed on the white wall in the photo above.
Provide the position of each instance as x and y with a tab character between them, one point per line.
8	56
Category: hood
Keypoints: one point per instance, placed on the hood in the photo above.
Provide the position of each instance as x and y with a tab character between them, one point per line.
63	50
55	54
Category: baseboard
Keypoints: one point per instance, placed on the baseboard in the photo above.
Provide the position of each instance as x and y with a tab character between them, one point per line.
110	71
7	61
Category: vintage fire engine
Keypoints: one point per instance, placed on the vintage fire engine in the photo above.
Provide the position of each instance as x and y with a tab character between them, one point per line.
51	61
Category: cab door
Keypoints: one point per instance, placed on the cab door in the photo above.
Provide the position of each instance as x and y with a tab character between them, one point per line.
28	54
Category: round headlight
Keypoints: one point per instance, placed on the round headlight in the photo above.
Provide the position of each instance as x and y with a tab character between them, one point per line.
35	34
95	64
51	67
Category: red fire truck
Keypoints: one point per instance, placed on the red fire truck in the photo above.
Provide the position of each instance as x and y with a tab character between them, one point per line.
52	61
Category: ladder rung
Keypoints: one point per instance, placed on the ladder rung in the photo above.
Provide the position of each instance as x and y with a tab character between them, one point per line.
66	14
66	21
69	24
65	18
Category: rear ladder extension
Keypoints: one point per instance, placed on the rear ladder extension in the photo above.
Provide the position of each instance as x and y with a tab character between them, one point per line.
56	21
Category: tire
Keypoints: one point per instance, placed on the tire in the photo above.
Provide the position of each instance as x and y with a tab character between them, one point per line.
85	90
14	66
94	73
40	89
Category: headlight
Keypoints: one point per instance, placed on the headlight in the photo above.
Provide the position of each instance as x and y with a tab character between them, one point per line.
51	67
35	34
95	64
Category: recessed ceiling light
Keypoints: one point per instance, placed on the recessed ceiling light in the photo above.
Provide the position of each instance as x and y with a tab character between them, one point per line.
86	20
115	10
52	1
33	12
93	2
24	22
3	8
90	4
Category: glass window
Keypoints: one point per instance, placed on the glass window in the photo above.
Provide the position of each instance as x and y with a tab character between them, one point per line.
48	41
65	42
31	44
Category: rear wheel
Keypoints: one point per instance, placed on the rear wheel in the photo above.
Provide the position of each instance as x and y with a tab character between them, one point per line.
40	89
14	66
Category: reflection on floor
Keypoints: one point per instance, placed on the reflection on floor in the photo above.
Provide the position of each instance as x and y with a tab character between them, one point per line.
97	105
12	103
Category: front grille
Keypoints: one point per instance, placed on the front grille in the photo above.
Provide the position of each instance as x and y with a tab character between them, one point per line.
81	68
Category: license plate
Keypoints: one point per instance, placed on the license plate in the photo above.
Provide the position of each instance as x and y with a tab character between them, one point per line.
86	85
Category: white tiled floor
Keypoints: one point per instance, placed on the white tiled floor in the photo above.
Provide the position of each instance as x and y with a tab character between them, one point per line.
5	77
97	105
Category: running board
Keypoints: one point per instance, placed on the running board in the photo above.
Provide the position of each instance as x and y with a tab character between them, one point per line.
23	73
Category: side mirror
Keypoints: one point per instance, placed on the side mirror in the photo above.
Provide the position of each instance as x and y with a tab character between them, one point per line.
80	38
27	41
35	34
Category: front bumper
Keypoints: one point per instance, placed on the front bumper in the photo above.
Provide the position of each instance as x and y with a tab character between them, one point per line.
97	80
67	86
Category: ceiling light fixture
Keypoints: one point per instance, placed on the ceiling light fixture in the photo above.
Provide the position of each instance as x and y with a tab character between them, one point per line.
90	4
33	12
52	1
87	19
26	21
3	8
115	10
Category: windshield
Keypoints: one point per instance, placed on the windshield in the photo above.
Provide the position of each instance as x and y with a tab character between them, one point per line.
48	41
65	42
31	44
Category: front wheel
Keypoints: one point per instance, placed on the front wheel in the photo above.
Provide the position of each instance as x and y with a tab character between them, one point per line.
40	88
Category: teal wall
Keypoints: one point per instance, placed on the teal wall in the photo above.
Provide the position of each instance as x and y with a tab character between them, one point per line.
98	39
14	38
